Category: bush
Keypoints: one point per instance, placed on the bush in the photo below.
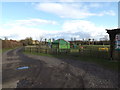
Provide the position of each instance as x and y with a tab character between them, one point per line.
10	43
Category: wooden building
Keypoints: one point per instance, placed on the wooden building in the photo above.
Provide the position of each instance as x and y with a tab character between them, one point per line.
61	44
114	43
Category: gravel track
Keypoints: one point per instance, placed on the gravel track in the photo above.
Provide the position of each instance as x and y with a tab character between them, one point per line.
50	72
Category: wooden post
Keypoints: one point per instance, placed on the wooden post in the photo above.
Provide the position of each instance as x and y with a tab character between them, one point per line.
112	44
36	49
39	50
46	50
24	49
30	49
79	50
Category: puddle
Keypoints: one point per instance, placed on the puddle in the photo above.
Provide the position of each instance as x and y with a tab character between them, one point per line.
25	67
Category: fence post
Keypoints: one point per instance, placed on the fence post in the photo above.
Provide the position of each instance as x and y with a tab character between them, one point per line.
79	50
37	49
24	48
90	53
46	50
56	51
30	50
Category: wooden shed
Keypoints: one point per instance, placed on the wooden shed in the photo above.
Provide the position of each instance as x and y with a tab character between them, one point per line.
114	35
61	44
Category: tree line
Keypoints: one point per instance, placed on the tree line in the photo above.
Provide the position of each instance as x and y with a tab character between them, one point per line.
10	43
43	41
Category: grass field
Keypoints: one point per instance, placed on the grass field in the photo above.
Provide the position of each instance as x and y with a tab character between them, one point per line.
0	50
6	49
95	47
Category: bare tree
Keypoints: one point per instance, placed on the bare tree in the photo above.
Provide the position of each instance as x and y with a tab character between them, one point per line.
29	40
45	41
93	41
89	40
40	40
6	38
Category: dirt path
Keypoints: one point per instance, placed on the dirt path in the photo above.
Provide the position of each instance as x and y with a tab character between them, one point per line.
50	72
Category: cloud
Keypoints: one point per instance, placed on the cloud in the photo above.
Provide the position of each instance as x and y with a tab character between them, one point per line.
110	12
32	22
72	10
20	29
21	32
78	29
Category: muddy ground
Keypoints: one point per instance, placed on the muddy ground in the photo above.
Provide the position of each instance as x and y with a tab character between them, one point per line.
51	72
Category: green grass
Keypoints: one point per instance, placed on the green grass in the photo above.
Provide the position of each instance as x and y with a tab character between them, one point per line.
41	54
0	50
95	47
6	49
105	63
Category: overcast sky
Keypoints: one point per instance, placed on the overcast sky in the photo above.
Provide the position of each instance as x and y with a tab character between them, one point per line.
58	19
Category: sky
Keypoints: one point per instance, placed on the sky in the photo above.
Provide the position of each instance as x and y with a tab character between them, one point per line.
80	20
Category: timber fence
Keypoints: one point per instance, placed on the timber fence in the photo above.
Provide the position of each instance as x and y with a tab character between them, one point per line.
81	52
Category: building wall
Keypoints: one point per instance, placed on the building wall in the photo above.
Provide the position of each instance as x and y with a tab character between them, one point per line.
62	44
55	45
